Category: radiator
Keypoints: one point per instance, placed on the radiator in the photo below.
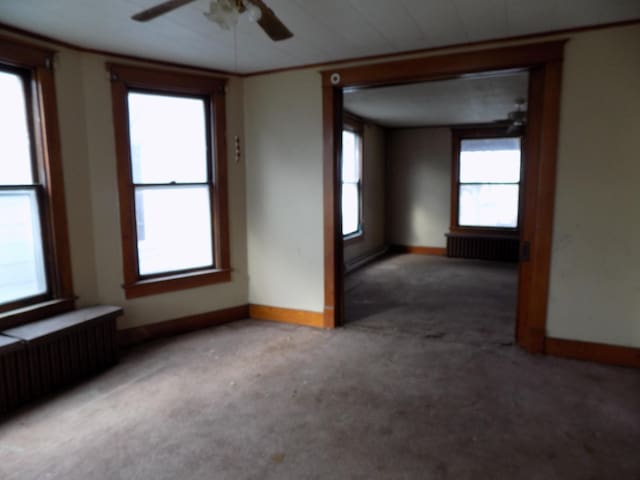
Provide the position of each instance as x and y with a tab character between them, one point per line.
13	369
64	349
485	247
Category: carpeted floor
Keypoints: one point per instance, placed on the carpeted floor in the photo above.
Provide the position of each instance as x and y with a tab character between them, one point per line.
259	400
453	299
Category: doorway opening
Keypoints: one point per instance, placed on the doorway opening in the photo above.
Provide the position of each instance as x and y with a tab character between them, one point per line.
543	63
431	177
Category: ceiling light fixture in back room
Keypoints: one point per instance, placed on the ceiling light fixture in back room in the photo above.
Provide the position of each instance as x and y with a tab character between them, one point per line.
518	117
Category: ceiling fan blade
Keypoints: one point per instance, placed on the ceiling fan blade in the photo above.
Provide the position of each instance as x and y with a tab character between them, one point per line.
161	9
270	23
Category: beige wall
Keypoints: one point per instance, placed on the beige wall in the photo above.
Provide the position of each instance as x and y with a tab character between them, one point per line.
373	195
595	287
86	127
419	186
595	275
106	220
283	128
595	279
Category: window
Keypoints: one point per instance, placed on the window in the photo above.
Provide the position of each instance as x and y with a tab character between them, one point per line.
35	278
486	182
351	179
172	179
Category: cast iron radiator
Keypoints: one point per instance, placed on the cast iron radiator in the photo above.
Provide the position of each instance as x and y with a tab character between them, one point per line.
13	368
60	350
486	247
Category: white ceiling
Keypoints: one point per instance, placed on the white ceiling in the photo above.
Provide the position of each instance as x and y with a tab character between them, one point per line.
324	30
466	100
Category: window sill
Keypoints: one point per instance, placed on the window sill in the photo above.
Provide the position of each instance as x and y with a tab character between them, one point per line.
353	238
38	311
172	283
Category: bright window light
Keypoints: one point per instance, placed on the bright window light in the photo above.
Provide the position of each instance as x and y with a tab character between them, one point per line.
22	265
168	138
350	182
489	182
15	144
174	228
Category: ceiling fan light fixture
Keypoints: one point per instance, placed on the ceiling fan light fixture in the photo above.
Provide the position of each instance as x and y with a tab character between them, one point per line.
254	12
224	13
517	117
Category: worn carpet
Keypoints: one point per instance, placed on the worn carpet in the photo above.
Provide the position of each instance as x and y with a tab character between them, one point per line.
259	400
453	299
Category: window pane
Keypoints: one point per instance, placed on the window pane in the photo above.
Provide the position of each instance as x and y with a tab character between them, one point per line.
173	228
15	146
22	271
350	160
488	205
490	160
168	138
350	208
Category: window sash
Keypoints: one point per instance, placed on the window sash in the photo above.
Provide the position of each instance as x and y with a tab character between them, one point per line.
208	141
140	221
482	135
494	218
40	249
355	130
33	64
137	186
358	206
125	79
41	259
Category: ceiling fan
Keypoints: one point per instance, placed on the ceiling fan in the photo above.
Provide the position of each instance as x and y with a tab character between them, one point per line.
518	117
225	13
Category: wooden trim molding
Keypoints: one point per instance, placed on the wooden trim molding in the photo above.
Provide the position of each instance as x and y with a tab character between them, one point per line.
332	214
133	336
593	352
287	315
367	58
36	64
31	313
354	238
419	250
543	61
444	48
446	65
211	90
107	53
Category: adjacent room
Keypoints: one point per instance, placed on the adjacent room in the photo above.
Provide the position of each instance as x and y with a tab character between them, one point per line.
433	170
302	239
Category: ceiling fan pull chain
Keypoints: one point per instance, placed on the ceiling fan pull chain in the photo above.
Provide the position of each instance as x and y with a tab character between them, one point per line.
235	48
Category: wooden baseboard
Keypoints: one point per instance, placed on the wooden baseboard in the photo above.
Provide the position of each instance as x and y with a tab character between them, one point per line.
287	315
593	352
440	251
135	335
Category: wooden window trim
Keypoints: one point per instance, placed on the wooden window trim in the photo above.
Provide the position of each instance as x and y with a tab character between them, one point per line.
356	125
459	134
37	63
123	79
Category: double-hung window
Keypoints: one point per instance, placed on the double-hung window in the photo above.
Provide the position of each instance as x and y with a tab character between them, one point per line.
351	179
172	179
486	186
35	275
